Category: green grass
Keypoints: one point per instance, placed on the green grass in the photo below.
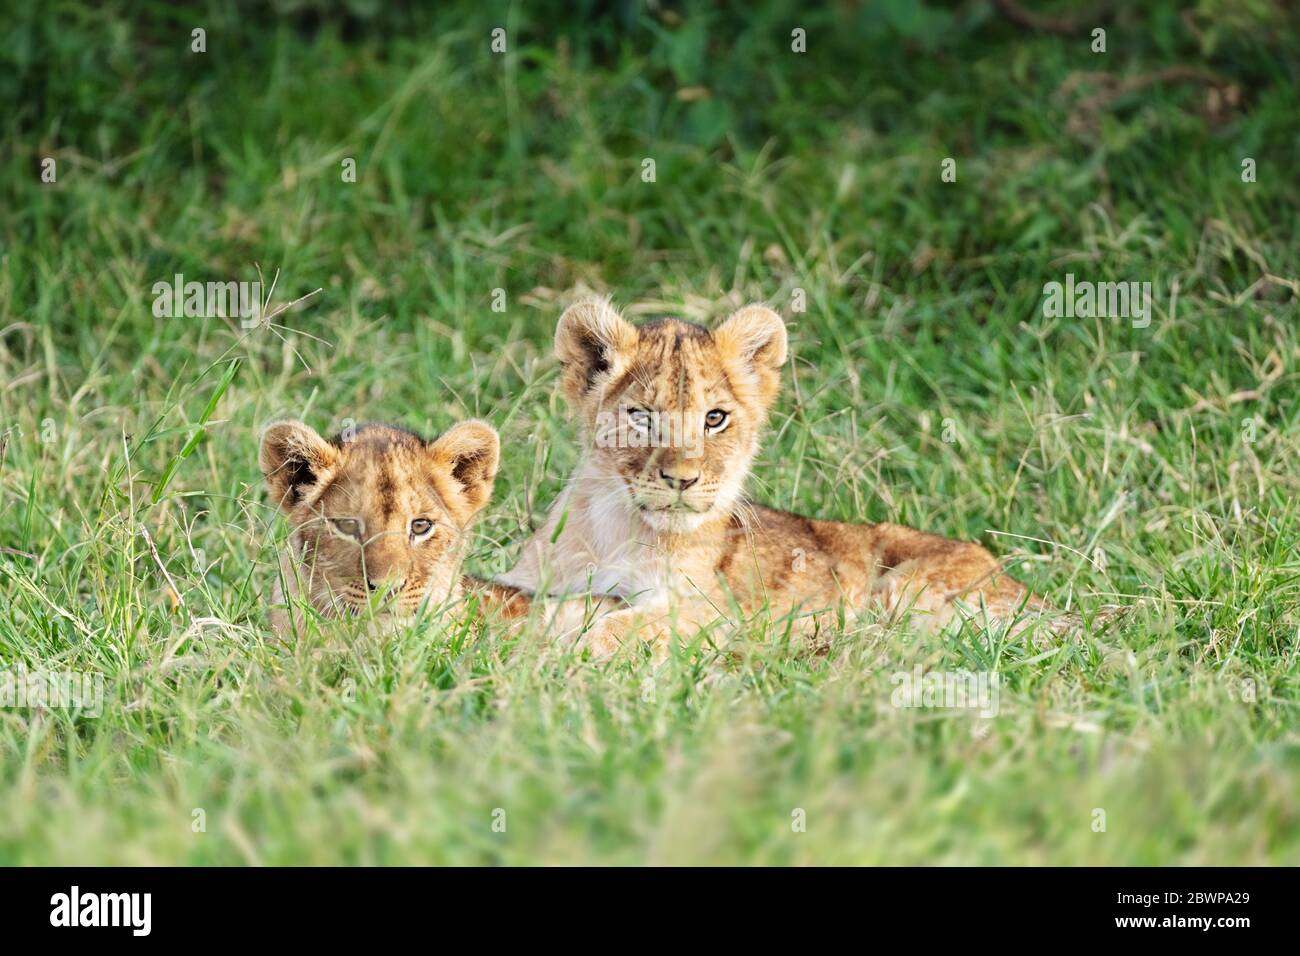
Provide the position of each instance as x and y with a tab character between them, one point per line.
1155	467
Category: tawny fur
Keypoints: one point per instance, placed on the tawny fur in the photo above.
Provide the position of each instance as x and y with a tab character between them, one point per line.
385	479
665	525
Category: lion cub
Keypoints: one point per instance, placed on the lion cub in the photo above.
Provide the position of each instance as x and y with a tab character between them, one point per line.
379	520
672	415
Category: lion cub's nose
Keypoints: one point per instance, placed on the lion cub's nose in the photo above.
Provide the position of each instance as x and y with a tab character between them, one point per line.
678	482
387	585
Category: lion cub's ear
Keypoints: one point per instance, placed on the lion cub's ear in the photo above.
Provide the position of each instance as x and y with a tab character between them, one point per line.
593	343
755	338
469	453
294	459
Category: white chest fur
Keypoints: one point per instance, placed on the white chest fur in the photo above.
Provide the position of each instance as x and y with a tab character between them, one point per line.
603	547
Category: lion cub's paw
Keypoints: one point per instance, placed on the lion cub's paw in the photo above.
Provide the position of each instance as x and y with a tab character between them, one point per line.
625	629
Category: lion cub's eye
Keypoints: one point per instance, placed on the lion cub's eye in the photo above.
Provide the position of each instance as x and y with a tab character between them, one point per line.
420	527
348	526
640	419
716	420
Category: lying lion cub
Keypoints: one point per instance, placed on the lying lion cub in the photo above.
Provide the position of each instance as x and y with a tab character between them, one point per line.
379	520
672	415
